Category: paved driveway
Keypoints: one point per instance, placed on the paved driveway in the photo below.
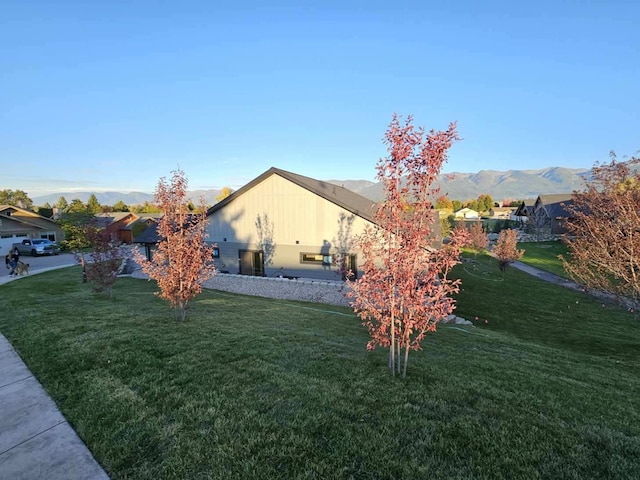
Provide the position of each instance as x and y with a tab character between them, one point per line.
42	262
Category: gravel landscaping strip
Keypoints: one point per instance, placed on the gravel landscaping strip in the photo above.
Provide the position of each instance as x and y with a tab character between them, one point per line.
304	289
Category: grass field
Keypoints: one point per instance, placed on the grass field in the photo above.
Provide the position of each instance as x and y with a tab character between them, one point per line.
544	255
250	387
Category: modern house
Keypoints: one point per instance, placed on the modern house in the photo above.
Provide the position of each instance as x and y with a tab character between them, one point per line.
18	223
284	224
548	214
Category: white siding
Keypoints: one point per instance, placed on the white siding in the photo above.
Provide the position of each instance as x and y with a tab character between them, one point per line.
297	215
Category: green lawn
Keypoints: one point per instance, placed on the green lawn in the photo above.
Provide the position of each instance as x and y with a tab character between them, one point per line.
544	255
258	388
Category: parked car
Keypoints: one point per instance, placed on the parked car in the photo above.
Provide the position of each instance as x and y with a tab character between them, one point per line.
37	246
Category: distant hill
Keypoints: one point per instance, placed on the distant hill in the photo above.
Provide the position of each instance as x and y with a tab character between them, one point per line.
131	198
514	184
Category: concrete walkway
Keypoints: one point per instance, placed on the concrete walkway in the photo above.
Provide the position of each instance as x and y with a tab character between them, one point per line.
36	441
546	276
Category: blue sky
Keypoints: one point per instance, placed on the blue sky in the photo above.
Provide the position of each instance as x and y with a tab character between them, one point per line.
113	95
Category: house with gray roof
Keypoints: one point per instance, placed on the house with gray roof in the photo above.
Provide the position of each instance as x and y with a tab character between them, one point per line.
549	213
288	225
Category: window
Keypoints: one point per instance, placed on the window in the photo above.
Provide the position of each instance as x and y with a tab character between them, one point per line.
315	258
216	252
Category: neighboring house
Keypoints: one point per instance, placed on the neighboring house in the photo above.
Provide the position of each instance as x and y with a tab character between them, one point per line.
501	212
284	224
466	213
18	223
548	214
521	214
148	239
125	226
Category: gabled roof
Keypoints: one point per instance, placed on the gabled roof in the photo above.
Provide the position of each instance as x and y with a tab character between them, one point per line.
149	235
343	197
555	198
27	217
555	204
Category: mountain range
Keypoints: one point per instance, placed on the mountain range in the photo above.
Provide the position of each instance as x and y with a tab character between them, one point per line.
512	184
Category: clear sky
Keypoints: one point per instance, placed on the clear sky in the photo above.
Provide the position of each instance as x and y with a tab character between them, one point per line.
112	95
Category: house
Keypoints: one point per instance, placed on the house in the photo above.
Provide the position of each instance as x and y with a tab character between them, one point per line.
17	223
549	213
501	212
125	226
466	213
285	224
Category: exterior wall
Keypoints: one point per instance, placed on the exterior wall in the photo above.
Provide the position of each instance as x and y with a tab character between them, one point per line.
302	221
286	261
13	231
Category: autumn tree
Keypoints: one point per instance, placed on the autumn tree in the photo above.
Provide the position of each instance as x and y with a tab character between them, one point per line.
183	260
224	193
405	289
478	239
443	202
603	231
506	248
105	260
485	202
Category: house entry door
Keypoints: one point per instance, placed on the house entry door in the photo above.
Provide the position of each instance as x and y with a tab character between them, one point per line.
251	262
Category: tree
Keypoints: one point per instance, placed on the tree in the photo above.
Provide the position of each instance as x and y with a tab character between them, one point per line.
120	206
183	260
405	289
485	202
603	231
93	205
457	205
224	193
17	198
472	204
443	202
146	207
45	210
506	248
77	206
478	239
106	258
62	205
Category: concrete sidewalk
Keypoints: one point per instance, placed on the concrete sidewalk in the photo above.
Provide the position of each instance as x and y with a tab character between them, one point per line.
546	276
36	442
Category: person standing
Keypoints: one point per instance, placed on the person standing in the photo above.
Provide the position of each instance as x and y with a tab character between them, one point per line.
15	258
7	261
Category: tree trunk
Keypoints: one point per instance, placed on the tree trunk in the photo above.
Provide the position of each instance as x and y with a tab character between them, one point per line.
181	311
406	361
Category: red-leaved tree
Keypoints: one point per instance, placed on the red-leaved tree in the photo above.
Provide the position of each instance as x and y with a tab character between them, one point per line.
603	231
405	289
183	260
478	238
506	248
